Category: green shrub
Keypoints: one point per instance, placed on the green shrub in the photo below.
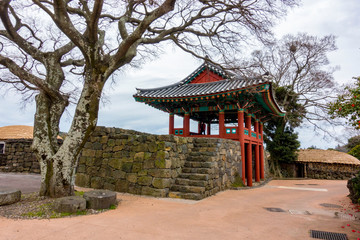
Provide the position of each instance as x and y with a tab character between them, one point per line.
354	188
355	152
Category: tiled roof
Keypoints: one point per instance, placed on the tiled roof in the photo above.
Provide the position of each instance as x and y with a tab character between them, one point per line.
326	156
184	89
16	132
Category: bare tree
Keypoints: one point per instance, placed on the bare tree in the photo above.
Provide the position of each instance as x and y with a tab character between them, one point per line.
298	64
47	44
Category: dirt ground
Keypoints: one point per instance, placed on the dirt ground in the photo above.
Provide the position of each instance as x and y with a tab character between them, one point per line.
282	209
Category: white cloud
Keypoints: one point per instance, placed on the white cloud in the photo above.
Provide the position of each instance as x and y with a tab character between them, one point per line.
320	17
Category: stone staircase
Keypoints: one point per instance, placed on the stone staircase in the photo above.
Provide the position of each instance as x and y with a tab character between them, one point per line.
199	177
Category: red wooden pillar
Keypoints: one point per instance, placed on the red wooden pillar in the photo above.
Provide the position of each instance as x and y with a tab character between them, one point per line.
249	152
248	123
199	128
257	159
262	170
208	129
249	165
222	123
242	141
186	124
171	123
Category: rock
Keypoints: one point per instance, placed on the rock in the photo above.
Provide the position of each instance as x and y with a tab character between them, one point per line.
9	196
100	199
70	204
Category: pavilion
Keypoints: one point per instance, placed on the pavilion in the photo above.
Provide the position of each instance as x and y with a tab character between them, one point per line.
209	96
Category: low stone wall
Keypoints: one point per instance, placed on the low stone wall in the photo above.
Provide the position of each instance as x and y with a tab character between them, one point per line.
331	171
18	157
319	170
140	163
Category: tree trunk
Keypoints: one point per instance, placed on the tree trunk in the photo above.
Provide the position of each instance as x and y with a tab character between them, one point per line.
57	162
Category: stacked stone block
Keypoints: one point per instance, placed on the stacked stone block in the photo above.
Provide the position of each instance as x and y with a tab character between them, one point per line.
331	171
208	169
139	163
19	157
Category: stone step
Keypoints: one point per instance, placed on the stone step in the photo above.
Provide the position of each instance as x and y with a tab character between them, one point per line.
196	152
191	164
198	170
188	182
201	158
192	196
195	176
187	189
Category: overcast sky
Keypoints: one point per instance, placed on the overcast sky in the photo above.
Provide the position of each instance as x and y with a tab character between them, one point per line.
321	17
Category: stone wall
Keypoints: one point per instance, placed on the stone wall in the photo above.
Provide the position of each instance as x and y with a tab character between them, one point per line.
18	157
319	170
331	171
139	163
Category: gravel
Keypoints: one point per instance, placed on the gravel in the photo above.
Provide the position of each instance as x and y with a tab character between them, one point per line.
33	206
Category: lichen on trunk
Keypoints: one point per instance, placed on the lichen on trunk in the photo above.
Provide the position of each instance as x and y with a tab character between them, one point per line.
58	161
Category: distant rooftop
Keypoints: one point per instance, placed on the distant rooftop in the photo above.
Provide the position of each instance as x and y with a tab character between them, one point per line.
16	132
326	156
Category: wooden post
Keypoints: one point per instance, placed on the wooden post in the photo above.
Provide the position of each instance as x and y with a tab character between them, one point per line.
248	124
186	124
171	124
249	165
262	170
242	141
208	129
222	123
199	128
257	157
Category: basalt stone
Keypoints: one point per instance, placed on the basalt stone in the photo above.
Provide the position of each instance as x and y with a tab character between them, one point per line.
82	180
97	182
144	180
121	186
115	163
131	177
127	167
9	196
161	183
137	167
100	199
139	156
154	192
70	204
152	146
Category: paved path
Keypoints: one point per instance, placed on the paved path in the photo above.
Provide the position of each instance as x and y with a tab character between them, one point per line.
27	183
228	215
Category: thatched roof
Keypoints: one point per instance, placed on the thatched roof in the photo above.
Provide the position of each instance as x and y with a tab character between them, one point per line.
16	132
326	156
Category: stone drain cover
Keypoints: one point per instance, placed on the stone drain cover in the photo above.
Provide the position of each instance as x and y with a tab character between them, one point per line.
274	209
327	235
299	212
344	216
330	205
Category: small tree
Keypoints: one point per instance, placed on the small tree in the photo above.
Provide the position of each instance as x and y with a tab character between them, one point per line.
280	138
355	151
347	105
49	46
353	142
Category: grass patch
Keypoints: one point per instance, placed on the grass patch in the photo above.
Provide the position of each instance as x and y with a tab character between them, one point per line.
79	193
238	182
113	207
